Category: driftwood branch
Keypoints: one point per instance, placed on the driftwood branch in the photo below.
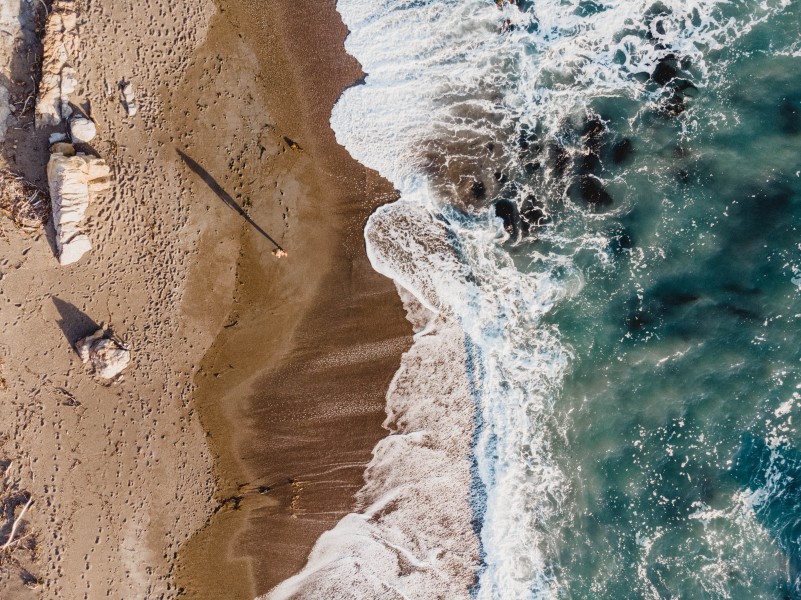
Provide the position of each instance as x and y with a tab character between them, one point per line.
17	521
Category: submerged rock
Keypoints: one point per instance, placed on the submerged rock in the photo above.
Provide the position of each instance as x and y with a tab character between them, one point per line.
108	356
667	68
559	159
73	179
532	214
591	190
58	77
507	211
622	151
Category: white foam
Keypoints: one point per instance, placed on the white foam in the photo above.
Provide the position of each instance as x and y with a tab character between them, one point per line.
414	537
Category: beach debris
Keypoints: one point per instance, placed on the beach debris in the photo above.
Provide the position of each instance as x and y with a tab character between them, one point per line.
58	80
293	145
26	204
279	253
16	524
108	356
74	179
82	129
129	97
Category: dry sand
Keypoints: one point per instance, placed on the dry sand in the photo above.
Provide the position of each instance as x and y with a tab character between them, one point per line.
285	361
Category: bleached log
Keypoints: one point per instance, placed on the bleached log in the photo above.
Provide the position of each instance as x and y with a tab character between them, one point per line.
58	77
73	180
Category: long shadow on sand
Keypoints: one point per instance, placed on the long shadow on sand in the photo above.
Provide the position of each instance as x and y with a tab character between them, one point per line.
223	195
75	323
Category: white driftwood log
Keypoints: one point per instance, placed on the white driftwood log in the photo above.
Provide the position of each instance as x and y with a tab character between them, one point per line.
58	81
73	180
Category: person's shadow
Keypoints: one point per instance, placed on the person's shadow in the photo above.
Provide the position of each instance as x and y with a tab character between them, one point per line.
222	194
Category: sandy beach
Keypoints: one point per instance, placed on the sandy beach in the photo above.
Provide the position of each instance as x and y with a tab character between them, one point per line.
292	390
241	429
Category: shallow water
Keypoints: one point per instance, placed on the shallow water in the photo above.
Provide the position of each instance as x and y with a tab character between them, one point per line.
630	315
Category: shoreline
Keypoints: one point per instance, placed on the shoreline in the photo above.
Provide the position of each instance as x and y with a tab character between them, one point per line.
291	392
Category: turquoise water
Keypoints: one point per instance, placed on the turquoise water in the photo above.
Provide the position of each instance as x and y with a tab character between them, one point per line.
685	345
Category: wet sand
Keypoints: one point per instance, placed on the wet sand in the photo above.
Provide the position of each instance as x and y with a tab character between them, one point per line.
291	392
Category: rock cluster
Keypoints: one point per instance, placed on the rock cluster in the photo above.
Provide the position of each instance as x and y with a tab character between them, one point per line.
108	356
74	179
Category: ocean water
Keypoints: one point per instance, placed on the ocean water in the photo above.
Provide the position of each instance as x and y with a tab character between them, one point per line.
598	243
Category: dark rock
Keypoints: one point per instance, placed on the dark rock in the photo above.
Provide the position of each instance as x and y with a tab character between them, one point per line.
508	212
478	190
593	133
666	69
532	167
588	164
673	106
592	191
528	140
532	214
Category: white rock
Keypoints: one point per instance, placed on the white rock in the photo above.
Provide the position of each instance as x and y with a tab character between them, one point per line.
73	179
57	137
82	129
83	346
58	80
108	356
129	97
11	34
